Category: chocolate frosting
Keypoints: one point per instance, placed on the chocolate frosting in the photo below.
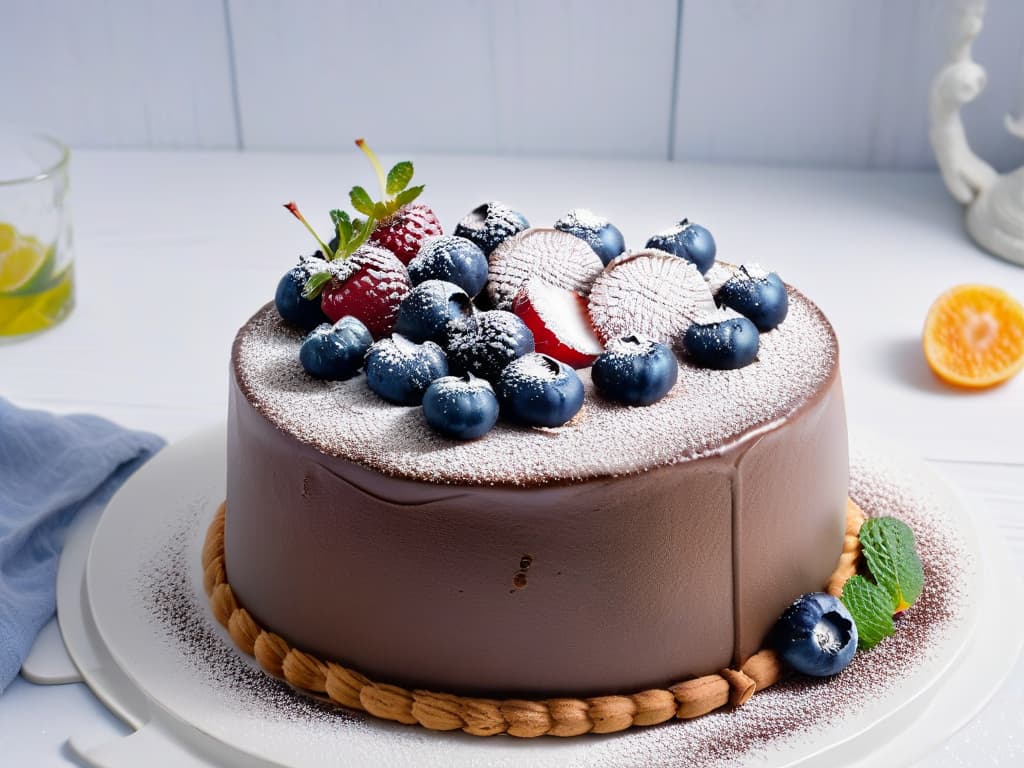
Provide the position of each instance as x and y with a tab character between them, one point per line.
613	582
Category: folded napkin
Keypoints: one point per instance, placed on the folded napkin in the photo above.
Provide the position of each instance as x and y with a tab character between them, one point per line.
52	468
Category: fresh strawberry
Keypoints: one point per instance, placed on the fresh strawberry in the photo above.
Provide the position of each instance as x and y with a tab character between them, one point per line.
559	321
369	285
401	227
404	231
369	281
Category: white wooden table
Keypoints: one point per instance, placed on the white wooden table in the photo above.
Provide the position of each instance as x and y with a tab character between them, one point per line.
176	250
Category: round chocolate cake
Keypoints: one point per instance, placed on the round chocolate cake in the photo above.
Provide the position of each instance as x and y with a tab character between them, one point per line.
630	548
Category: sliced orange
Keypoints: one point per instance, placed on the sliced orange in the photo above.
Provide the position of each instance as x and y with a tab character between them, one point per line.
974	336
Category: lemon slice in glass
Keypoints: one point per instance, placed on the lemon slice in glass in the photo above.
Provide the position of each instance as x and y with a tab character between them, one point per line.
26	265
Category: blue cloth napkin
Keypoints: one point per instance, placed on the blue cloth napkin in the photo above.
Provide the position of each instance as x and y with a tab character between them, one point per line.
52	468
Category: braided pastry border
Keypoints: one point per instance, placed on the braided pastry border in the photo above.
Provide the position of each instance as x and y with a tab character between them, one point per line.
489	717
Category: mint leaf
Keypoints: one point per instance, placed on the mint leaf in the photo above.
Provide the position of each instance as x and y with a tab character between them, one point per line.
407	196
891	556
343	226
361	201
315	284
399	177
871	608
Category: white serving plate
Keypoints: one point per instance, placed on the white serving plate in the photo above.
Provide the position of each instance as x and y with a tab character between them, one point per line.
189	715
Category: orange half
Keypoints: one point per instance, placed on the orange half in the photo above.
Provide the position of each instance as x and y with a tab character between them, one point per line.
974	336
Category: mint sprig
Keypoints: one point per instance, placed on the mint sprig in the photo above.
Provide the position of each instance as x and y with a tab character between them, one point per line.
891	556
896	579
871	609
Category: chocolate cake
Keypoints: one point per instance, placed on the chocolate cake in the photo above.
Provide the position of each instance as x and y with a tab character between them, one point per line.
630	548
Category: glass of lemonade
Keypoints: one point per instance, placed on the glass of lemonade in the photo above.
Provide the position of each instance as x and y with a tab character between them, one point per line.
36	278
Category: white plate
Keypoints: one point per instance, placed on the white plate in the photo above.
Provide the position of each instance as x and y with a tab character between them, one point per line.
156	657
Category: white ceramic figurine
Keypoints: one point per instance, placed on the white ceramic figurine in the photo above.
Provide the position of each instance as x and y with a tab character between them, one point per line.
995	213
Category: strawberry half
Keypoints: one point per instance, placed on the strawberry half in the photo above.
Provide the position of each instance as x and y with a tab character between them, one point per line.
368	285
404	231
560	323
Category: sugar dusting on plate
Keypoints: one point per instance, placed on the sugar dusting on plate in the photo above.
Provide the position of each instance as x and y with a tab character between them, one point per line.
777	718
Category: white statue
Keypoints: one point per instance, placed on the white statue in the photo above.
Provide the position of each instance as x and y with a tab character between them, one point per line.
995	214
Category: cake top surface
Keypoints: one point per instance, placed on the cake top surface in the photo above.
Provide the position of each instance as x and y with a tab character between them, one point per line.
705	413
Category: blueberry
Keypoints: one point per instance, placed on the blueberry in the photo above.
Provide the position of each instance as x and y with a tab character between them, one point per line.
425	313
596	231
635	371
335	352
297	311
400	370
455	259
759	295
489	224
687	241
722	344
462	408
816	635
539	391
483	344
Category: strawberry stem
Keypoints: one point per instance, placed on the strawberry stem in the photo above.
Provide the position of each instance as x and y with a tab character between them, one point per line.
294	210
377	167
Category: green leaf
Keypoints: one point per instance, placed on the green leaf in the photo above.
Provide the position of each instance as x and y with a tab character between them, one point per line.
343	226
871	608
399	177
315	284
406	197
891	556
361	201
382	210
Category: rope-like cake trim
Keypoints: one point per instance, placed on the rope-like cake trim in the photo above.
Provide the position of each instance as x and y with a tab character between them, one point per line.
489	717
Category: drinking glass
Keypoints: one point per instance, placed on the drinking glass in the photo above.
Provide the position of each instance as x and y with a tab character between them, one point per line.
36	274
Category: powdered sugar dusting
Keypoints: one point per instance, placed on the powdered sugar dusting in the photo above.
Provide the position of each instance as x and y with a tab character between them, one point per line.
648	292
704	413
563	259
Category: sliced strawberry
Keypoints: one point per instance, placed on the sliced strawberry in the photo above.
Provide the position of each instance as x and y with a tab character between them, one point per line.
559	321
404	231
556	257
648	293
369	285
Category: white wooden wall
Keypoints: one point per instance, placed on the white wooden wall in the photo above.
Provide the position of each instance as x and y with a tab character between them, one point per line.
813	82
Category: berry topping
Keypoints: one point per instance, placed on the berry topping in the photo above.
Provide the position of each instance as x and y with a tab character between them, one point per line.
816	635
687	241
722	340
425	313
369	285
400	370
648	293
539	391
559	321
403	232
489	224
557	257
757	294
462	408
483	344
451	258
294	308
335	352
635	371
596	231
401	227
